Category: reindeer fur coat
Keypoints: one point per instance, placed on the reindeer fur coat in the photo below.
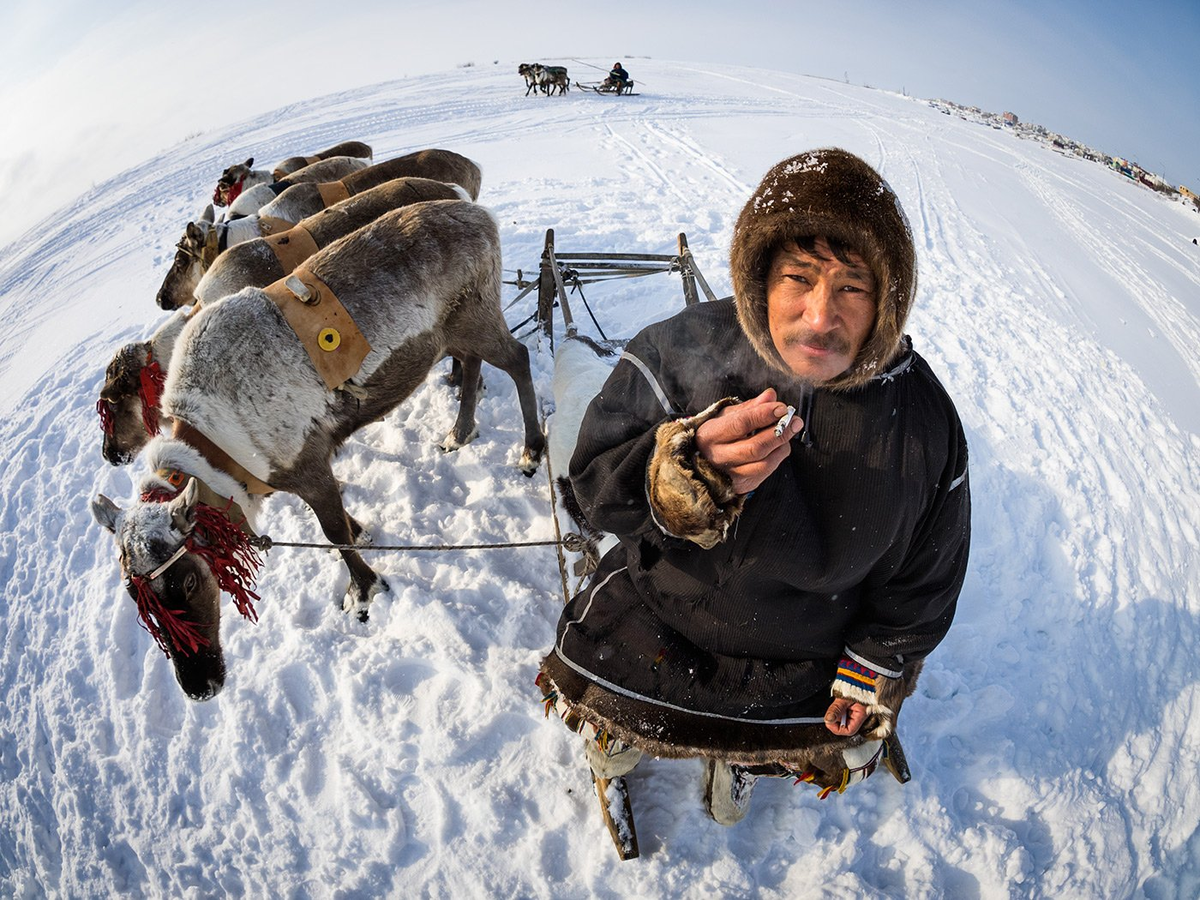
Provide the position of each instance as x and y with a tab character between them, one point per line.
716	626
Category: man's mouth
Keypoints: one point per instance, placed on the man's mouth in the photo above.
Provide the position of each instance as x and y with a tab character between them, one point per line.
818	344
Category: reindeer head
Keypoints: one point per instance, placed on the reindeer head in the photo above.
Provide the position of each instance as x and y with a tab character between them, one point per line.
174	557
229	185
128	404
194	253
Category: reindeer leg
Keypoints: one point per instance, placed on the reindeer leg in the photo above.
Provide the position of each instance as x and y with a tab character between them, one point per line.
362	537
464	430
455	377
320	492
511	356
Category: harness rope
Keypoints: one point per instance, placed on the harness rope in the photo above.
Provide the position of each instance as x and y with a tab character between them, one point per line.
264	542
571	541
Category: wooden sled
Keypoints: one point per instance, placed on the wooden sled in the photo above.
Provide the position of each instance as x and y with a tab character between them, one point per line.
608	86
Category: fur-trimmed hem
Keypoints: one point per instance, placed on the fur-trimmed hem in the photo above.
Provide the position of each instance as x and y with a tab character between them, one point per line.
676	734
673	734
689	497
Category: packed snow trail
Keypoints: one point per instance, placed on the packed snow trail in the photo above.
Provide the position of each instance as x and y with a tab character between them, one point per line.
1049	738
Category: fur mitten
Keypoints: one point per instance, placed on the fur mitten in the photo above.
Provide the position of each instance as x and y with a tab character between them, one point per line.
689	497
881	695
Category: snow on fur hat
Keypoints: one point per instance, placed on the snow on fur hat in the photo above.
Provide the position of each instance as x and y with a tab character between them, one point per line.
833	194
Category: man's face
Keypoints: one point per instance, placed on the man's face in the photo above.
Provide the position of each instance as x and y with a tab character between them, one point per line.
819	309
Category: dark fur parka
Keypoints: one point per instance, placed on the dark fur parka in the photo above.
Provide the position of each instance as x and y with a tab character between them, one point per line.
715	627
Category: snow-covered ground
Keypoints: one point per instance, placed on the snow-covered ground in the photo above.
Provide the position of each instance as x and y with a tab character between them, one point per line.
1052	738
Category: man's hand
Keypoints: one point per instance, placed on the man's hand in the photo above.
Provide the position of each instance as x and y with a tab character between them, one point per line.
844	717
740	440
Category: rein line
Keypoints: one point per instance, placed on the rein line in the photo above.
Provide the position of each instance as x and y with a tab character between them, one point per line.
571	541
263	542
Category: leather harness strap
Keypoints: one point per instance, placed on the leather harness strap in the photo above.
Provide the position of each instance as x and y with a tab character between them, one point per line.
219	459
227	506
268	225
212	246
332	192
292	247
329	334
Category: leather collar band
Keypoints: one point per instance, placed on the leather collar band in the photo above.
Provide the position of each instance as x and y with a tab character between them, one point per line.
219	458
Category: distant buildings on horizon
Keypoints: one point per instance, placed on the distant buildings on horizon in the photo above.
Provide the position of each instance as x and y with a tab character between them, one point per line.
1064	145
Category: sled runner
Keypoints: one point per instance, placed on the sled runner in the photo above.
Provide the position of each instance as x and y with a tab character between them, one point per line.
608	86
618	814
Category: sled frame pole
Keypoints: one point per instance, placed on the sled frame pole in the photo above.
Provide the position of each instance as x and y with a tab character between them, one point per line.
588	268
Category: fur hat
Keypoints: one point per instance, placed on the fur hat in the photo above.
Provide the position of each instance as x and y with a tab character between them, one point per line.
833	194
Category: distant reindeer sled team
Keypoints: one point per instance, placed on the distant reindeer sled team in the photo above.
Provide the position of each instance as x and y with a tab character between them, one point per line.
790	519
554	79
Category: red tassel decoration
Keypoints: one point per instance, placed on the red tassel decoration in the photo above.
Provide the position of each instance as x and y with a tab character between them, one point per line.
172	629
231	558
150	388
230	555
106	416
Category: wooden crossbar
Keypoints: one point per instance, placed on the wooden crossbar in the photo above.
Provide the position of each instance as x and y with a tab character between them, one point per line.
589	268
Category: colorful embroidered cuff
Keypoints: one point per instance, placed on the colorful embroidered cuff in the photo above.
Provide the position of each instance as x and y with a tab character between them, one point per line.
854	681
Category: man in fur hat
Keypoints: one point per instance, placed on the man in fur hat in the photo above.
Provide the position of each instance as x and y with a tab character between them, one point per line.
777	583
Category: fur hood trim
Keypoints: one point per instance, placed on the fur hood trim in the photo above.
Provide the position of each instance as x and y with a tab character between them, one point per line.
826	193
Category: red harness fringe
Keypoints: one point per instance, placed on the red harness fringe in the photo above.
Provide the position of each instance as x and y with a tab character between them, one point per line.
227	550
231	558
233	191
150	387
106	416
168	627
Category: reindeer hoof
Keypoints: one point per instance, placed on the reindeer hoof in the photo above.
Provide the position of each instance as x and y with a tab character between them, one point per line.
529	462
357	604
450	442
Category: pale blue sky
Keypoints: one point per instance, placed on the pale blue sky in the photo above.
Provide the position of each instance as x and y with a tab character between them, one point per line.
126	79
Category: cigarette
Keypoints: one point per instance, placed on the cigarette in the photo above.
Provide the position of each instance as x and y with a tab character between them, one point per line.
842	723
784	421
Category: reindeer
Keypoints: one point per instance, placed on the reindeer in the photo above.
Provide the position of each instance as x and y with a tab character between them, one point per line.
251	415
345	148
528	71
252	198
129	400
243	176
205	244
300	201
259	262
551	77
129	409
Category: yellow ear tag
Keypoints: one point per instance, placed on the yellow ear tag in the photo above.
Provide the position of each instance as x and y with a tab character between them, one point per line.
329	339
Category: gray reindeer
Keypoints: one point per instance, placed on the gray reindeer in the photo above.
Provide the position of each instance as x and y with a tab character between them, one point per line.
251	414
